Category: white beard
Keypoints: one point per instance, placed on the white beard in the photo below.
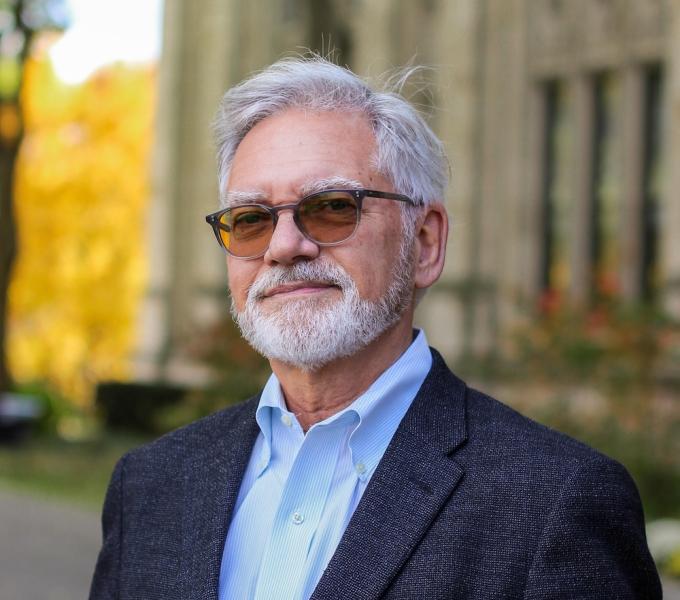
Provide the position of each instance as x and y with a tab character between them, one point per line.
309	333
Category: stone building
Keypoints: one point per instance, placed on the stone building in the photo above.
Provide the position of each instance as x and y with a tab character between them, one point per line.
562	123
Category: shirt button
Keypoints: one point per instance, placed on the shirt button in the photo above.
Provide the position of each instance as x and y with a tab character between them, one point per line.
286	420
360	468
298	518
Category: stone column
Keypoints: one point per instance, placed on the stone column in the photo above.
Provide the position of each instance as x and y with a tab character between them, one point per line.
456	60
503	205
186	266
153	323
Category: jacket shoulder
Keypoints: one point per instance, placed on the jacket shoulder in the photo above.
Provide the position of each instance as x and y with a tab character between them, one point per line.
492	430
534	466
489	418
197	437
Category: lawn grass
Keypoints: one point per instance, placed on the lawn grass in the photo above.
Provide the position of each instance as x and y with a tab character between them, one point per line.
75	472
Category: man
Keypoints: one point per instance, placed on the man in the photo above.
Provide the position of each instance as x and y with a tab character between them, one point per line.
365	469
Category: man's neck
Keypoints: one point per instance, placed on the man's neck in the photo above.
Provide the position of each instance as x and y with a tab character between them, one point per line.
316	395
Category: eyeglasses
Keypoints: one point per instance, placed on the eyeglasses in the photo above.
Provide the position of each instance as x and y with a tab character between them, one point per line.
326	218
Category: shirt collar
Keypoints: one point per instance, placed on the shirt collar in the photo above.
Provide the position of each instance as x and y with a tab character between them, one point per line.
271	401
375	415
383	405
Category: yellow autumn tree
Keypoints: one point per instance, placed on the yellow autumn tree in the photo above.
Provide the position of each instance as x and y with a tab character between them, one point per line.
82	192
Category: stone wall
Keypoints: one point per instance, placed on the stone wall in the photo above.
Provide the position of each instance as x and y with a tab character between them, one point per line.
486	97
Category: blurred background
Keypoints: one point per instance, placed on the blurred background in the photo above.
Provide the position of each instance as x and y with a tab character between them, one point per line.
561	293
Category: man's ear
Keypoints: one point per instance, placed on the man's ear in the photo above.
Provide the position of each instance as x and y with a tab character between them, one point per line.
431	234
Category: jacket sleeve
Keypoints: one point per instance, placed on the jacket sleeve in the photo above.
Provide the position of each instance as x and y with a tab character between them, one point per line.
106	579
593	545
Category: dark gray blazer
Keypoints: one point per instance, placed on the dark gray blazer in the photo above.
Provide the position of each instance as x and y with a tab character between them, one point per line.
470	501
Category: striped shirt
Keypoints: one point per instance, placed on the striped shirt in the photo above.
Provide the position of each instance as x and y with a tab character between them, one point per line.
300	490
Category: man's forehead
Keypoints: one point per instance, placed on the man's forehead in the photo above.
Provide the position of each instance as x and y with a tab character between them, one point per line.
305	188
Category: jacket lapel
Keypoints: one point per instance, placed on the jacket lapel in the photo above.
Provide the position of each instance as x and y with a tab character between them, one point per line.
414	479
211	484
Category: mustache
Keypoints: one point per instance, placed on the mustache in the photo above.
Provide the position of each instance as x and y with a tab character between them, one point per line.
319	271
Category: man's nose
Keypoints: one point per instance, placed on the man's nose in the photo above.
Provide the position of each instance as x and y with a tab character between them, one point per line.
288	245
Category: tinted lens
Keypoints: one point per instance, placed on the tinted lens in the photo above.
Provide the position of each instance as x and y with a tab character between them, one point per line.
246	230
329	217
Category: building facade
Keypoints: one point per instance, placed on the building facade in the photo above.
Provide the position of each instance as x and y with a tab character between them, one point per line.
562	123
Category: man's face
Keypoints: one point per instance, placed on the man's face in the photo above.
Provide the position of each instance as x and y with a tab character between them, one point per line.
278	162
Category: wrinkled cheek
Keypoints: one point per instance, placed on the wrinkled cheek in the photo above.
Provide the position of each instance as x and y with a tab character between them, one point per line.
239	276
238	290
237	298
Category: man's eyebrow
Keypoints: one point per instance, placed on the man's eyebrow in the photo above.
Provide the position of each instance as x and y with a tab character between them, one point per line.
329	183
236	198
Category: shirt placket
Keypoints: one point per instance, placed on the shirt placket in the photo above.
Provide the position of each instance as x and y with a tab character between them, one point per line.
299	513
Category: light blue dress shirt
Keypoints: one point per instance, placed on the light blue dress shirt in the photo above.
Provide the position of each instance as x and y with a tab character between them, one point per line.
300	490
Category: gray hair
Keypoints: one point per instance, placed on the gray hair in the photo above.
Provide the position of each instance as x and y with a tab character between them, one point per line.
408	153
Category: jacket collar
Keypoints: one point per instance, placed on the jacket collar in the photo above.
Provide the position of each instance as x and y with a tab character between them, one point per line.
211	484
413	481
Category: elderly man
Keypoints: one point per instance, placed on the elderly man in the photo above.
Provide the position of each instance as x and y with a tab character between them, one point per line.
365	468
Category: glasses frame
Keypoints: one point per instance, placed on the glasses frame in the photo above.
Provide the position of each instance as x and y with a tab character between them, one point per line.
213	219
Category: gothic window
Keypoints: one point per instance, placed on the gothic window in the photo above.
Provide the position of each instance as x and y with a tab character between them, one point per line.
554	192
651	178
605	192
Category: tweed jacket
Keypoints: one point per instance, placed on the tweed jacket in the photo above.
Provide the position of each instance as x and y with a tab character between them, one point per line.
470	501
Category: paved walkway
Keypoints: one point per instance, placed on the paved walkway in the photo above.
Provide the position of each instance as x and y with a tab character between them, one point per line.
47	550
